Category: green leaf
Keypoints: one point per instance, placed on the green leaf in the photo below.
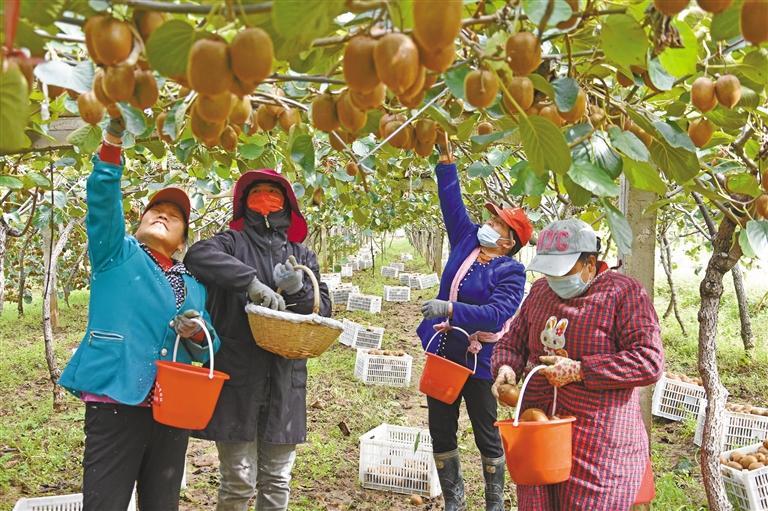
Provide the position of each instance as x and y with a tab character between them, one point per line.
11	182
566	90
135	121
674	135
726	118
484	140
541	84
757	233
87	138
659	76
41	13
298	190
79	78
749	98
174	120
755	66
624	41
578	195
744	183
628	144
681	61
479	169
620	228
746	248
528	182
467	126
725	25
545	145
35	180
251	151
593	178
536	9
644	176
294	21
168	47
604	156
14	109
183	149
303	153
454	79
156	147
678	164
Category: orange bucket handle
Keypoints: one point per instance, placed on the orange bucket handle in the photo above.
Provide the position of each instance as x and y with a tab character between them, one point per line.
451	327
522	392
207	337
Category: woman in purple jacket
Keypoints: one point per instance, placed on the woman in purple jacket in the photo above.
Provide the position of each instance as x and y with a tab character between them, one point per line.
481	288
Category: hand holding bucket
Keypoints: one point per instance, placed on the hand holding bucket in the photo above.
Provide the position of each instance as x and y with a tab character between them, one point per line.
537	453
185	396
441	378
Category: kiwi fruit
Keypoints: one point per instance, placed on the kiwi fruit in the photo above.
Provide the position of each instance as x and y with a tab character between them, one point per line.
734	465
111	40
266	117
746	461
147	22
425	131
570	22
439	59
579	107
551	113
404	138
624	80
423	149
228	139
113	111
289	117
523	53
119	82
352	169
509	394
350	117
251	55
412	101
397	61
714	6
91	110
596	116
756	466
736	456
484	128
159	123
208	69
754	21
145	91
317	197
358	65
670	7
436	26
728	90
240	111
533	415
703	94
417	86
88	29
204	130
323	113
241	89
521	90
338	138
216	108
369	100
481	87
98	88
700	130
761	210
764	183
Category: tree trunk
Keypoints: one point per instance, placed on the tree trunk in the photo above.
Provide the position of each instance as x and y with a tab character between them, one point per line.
22	273
741	298
48	293
48	247
67	288
3	244
437	253
725	255
665	253
323	249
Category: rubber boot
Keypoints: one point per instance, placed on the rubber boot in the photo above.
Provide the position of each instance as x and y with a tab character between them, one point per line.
493	473
451	482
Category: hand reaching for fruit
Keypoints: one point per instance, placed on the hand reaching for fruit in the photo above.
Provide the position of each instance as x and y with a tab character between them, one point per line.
446	153
562	370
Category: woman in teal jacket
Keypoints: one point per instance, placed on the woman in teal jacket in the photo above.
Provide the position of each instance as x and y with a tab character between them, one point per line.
140	300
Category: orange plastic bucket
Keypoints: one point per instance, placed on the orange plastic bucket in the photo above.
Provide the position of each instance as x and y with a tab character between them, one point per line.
185	396
537	453
647	491
443	379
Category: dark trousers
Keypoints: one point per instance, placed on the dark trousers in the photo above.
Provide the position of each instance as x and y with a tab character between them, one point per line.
124	445
481	407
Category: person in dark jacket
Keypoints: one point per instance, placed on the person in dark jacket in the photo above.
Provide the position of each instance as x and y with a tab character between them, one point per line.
261	414
480	290
140	300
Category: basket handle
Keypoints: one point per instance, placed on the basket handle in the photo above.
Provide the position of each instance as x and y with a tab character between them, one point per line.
207	337
522	392
451	327
312	278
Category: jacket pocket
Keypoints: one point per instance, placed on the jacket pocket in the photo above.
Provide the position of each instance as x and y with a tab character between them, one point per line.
299	374
102	335
101	361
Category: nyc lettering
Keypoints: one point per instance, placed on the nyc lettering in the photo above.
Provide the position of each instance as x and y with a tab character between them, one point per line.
558	239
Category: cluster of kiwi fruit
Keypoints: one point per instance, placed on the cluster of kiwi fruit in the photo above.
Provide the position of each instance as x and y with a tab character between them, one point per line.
539	415
683	378
754	410
223	75
761	203
753	26
752	461
387	353
705	95
120	77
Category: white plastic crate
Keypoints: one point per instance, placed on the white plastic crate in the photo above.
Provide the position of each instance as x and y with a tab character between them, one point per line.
390	272
365	264
405	279
397	294
740	429
747	489
413	280
356	335
425	281
347	270
399	266
390	370
398	459
71	502
676	400
365	303
332	280
340	294
406	257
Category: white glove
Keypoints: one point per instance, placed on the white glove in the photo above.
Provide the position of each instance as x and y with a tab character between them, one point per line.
505	375
184	326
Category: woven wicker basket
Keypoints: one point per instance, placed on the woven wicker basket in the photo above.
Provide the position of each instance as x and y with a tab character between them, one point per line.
293	335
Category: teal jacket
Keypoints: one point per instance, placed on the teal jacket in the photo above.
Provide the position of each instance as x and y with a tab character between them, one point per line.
131	305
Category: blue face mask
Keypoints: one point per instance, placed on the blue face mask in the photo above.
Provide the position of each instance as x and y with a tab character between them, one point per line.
569	286
487	236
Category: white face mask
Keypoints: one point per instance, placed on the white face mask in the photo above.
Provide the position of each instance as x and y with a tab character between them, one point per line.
487	236
568	286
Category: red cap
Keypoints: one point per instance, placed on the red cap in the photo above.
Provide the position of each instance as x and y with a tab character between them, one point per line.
173	195
515	218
